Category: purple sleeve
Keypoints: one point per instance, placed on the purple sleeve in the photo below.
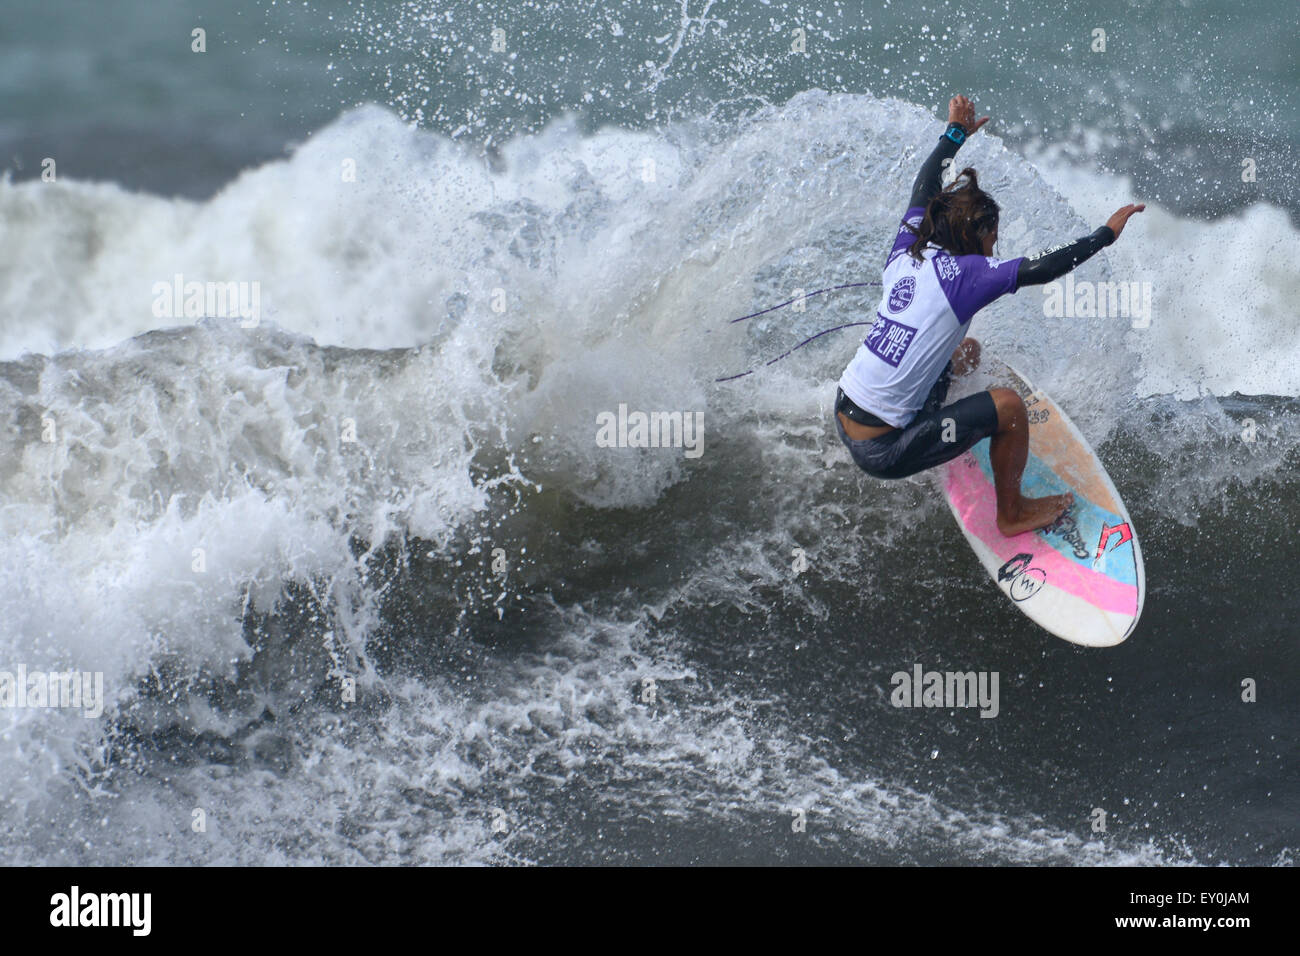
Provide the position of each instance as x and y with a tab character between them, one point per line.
972	282
905	237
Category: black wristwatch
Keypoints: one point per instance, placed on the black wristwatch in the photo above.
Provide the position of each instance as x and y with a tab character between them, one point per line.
956	132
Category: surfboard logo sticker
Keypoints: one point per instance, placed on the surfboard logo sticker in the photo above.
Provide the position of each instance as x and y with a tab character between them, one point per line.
1067	528
1026	584
1123	530
1025	581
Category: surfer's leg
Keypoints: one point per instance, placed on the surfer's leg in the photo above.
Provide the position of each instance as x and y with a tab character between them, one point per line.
966	357
1008	452
934	436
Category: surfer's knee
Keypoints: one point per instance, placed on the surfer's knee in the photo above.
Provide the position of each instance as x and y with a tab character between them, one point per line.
1011	408
966	357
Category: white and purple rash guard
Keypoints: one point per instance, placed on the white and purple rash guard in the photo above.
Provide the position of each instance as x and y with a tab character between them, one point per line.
926	307
923	314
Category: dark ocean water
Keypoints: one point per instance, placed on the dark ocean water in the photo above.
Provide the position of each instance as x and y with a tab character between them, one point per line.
567	653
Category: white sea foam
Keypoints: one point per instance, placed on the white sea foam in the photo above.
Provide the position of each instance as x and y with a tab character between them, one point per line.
379	300
1224	318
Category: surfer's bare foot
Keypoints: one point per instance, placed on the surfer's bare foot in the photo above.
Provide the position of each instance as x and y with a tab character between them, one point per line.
1034	513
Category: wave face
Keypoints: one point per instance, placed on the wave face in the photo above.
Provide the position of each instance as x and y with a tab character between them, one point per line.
364	585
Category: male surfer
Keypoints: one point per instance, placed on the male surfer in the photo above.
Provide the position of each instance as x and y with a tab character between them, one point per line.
889	407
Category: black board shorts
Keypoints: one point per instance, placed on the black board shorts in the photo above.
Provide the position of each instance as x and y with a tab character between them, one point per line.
921	445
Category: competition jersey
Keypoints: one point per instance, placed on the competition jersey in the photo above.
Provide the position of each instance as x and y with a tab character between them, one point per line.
922	315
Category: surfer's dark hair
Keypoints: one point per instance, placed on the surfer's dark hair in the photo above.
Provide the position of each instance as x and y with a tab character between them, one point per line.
957	218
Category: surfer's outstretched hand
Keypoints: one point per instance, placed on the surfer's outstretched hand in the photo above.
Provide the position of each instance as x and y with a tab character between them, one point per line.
962	110
1117	221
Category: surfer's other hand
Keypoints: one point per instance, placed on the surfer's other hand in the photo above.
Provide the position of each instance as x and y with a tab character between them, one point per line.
962	110
1117	221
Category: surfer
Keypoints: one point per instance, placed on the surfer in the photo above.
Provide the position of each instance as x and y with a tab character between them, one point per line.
889	407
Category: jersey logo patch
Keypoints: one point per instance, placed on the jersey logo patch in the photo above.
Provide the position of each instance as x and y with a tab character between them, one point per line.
947	267
900	296
888	340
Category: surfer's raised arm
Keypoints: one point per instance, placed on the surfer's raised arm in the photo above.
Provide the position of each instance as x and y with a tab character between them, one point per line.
1054	263
961	123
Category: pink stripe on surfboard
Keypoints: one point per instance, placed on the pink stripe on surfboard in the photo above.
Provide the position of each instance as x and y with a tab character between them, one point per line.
974	493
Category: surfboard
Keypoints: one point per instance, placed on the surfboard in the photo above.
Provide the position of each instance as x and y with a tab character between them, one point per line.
1082	577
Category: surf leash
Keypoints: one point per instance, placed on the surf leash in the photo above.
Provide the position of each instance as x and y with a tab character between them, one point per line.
752	315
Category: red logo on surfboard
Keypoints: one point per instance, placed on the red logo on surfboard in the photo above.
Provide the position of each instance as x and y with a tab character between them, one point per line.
1123	530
